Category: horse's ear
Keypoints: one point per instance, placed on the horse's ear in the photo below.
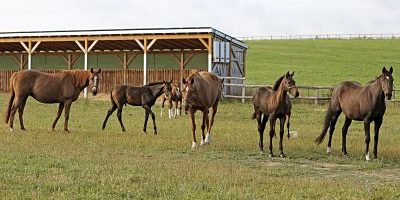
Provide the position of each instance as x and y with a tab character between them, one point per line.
98	71
91	70
391	70
384	70
184	81
292	73
287	74
222	81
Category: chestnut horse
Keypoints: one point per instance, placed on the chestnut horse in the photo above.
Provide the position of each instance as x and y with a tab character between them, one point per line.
144	96
63	87
273	104
360	103
202	91
173	97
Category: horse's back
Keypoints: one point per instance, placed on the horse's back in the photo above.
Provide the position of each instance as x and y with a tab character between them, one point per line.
213	86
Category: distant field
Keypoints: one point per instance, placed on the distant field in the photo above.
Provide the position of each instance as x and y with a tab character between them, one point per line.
321	62
91	164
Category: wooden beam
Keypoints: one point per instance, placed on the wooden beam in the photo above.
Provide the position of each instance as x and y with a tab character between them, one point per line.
204	43
109	37
151	44
92	45
139	43
188	59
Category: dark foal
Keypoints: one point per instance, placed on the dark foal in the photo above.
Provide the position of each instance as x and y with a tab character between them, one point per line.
272	104
144	96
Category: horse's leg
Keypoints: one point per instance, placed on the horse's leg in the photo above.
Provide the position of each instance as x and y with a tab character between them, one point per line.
170	105
272	121
162	105
14	108
346	126
377	126
194	143
203	126
67	105
119	115
109	112
335	116
153	117
176	108
367	123
21	112
211	122
60	109
288	124
146	118
262	122
180	107
281	133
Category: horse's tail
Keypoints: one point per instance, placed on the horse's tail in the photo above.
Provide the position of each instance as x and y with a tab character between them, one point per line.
256	109
10	102
327	122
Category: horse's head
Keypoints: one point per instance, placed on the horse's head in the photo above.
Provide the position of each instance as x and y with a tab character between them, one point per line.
188	91
176	90
167	89
94	80
386	82
290	85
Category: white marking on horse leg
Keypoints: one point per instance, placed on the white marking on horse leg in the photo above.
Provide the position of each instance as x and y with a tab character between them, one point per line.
176	112
328	150
11	129
161	112
170	113
202	142
194	145
208	138
367	157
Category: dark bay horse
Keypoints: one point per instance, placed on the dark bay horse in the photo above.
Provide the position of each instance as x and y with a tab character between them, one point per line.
144	96
63	87
274	104
202	91
360	103
172	97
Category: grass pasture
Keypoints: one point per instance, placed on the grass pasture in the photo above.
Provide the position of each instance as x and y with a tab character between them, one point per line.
91	164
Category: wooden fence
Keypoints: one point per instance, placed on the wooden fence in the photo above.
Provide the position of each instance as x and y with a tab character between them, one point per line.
324	37
110	78
313	93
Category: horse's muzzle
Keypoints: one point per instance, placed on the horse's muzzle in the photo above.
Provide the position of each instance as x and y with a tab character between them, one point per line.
389	96
94	91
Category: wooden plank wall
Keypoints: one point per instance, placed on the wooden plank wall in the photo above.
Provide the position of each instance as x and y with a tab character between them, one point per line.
110	78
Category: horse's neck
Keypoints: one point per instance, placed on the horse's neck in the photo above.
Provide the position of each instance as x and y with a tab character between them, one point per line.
157	90
281	93
376	90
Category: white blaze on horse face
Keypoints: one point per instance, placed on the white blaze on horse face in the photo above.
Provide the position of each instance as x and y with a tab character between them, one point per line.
367	157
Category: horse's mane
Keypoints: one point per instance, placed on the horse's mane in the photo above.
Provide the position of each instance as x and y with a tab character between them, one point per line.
154	83
79	77
278	83
193	72
375	79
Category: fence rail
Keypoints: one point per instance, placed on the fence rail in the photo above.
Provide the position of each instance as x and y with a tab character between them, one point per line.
313	93
324	36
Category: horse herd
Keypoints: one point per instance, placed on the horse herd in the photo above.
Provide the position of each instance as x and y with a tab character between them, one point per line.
202	91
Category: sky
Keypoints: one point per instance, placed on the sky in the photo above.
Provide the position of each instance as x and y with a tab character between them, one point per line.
235	17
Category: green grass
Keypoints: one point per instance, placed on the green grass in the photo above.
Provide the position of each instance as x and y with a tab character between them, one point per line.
91	164
321	62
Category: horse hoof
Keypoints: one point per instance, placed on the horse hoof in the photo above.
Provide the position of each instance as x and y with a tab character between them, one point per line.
208	139
271	155
282	155
23	129
367	157
11	129
194	145
202	143
328	150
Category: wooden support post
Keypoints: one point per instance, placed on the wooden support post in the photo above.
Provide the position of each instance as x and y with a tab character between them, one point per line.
125	67
182	66
210	54
145	62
